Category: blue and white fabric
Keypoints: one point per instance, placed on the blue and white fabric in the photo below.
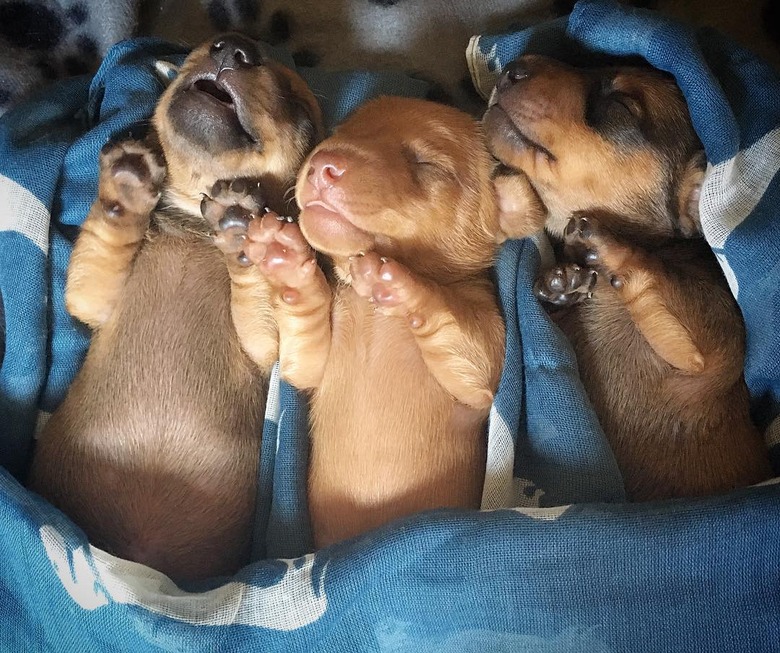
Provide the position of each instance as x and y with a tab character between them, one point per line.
557	562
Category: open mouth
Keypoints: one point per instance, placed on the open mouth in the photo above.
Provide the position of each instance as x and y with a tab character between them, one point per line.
215	90
498	118
226	102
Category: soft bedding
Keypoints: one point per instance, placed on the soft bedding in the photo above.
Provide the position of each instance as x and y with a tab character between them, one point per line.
556	561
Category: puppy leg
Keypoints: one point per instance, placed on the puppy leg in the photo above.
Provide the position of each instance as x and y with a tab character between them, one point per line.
129	188
642	283
300	295
230	209
458	327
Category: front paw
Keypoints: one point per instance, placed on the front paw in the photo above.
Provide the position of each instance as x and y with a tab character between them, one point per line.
388	285
565	285
130	181
582	240
229	209
284	257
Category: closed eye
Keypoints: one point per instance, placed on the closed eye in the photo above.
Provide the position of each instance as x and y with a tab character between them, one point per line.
627	104
615	115
424	162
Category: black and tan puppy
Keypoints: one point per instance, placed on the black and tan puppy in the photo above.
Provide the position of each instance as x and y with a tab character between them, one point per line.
610	164
402	352
154	451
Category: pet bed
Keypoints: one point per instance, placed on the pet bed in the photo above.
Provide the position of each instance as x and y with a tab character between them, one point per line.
556	561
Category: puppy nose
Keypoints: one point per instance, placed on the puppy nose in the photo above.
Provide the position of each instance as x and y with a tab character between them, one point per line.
512	74
326	169
235	51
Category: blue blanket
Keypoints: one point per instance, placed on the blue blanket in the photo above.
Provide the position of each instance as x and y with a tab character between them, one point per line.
568	568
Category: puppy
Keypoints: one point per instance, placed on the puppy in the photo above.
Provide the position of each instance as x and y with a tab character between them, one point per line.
610	164
154	451
402	351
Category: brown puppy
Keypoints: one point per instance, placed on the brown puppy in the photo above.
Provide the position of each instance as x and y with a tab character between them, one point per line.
612	155
154	451
402	352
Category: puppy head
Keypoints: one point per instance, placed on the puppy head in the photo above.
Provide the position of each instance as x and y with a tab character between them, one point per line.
232	112
407	178
618	139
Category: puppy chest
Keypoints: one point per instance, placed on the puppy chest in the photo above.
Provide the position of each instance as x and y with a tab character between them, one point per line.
376	380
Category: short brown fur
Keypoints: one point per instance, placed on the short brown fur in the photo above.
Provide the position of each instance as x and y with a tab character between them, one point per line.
402	351
154	451
611	166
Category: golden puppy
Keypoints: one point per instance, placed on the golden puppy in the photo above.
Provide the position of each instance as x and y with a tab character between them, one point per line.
610	164
154	451
402	351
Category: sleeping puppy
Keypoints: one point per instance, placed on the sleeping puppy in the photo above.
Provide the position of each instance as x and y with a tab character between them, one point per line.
402	351
154	451
610	164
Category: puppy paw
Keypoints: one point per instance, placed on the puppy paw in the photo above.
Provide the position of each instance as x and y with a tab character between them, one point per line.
565	285
277	247
130	180
229	209
388	285
582	239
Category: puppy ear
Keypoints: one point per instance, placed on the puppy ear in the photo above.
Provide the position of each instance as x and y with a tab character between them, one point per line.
521	212
689	194
166	71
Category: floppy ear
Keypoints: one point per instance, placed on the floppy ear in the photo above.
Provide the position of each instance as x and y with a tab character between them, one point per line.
521	212
166	71
689	193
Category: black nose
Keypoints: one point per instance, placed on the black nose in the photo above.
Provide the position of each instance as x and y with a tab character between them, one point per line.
512	74
235	51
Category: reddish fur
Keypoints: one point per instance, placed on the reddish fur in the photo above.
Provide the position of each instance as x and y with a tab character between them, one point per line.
401	387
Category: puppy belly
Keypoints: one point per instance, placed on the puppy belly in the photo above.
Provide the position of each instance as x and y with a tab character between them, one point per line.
375	460
673	435
155	450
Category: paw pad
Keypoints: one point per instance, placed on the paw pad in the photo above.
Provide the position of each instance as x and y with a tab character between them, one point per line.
131	178
566	285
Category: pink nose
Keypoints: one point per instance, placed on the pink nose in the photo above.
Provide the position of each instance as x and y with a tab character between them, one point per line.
326	168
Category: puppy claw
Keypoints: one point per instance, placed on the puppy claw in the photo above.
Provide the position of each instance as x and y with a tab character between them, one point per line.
579	227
